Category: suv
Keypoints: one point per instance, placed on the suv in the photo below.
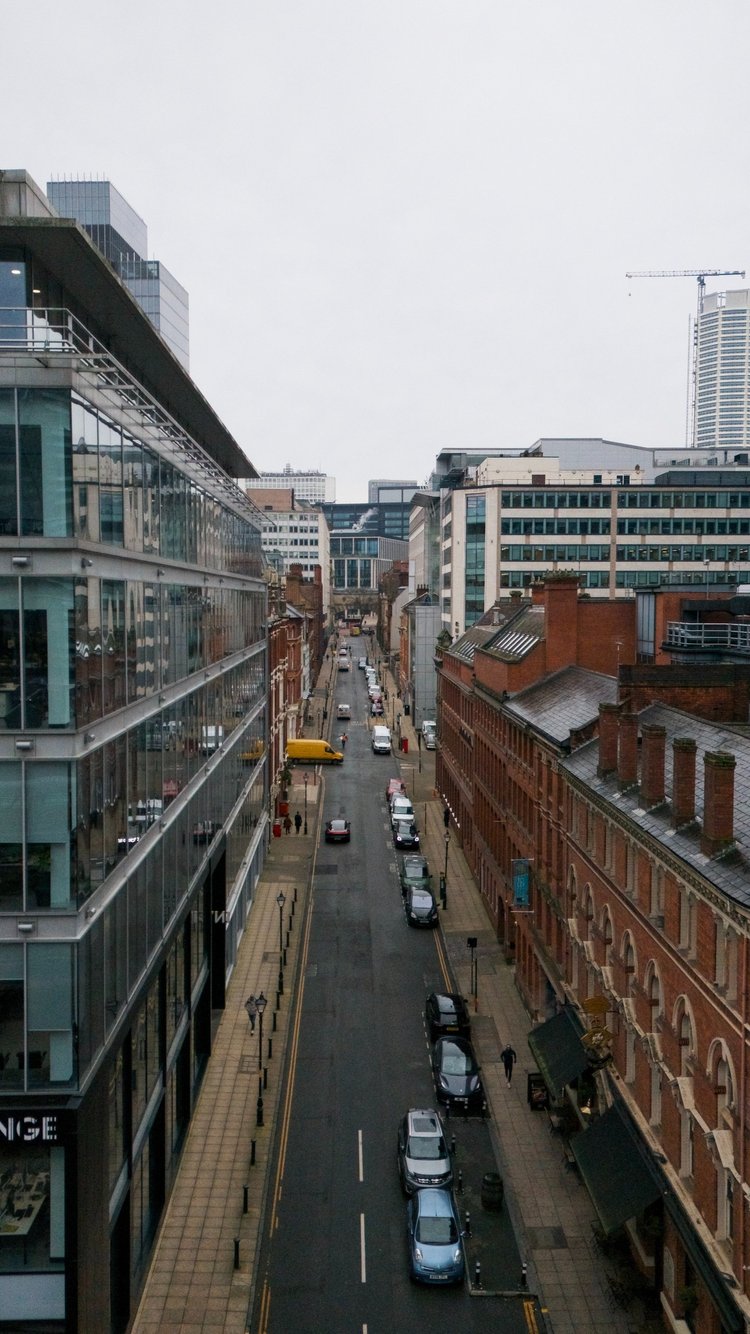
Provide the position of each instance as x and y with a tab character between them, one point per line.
401	809
423	1158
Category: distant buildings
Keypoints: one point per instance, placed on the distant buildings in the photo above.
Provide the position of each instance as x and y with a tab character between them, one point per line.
619	517
315	487
294	533
122	236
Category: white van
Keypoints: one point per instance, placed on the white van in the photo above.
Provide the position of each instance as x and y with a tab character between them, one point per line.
381	741
429	734
344	711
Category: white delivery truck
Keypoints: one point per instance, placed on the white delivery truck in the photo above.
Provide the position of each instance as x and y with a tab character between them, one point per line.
429	734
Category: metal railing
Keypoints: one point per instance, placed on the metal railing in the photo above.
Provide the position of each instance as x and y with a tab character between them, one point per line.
52	331
707	637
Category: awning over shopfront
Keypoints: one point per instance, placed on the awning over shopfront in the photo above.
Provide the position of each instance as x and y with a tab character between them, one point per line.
558	1051
614	1169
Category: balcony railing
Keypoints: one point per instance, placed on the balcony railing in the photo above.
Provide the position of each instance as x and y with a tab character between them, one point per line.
704	637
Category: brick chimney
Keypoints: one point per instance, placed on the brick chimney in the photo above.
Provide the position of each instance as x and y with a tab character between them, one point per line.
537	593
718	801
608	714
683	780
627	749
561	621
653	749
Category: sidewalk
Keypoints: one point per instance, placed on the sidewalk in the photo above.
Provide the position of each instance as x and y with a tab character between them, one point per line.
193	1284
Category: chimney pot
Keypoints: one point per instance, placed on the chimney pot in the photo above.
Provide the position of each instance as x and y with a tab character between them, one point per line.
627	750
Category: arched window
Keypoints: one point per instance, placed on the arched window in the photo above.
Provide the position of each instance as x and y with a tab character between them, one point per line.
606	930
686	1038
654	993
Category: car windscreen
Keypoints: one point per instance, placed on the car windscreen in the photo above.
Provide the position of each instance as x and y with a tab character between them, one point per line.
453	1061
436	1231
426	1147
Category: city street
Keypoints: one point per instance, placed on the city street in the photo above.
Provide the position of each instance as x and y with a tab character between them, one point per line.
334	1253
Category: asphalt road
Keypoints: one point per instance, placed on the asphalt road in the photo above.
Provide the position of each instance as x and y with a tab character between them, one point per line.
334	1257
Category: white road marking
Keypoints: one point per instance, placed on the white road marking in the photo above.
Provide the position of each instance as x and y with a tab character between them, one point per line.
359	1151
363	1265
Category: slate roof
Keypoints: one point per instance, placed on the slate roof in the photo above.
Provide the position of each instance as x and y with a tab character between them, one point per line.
730	873
564	702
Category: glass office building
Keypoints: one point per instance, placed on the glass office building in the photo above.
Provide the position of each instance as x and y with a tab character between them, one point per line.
133	785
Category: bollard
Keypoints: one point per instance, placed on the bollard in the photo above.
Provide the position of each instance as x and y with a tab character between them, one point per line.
278	1002
265	1076
460	1184
236	1252
273	1026
252	1153
468	1222
244	1199
477	1275
294	900
285	958
270	1048
287	940
524	1278
484	1108
453	1146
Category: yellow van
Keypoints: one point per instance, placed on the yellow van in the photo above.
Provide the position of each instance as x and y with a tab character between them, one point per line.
312	752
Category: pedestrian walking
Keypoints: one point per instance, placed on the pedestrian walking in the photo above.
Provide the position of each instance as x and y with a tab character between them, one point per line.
344	739
508	1058
287	825
298	821
252	1010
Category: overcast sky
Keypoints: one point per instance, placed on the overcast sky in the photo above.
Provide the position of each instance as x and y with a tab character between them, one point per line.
404	225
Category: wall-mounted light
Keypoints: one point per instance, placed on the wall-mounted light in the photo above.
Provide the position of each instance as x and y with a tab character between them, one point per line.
89	737
90	912
21	562
160	571
24	743
26	927
86	562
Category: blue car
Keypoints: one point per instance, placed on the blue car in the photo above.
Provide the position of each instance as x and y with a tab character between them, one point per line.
436	1253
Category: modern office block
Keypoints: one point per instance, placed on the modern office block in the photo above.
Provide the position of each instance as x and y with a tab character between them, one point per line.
122	236
309	485
133	787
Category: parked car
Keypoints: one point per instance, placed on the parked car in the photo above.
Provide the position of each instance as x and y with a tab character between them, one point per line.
420	906
415	871
436	1253
376	708
362	664
401	809
422	1154
395	787
338	831
446	1014
456	1073
405	835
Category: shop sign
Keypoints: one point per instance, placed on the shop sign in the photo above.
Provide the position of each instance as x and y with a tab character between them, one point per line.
30	1128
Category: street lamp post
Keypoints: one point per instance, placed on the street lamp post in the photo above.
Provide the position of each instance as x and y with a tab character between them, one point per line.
281	900
471	942
444	877
305	778
261	1004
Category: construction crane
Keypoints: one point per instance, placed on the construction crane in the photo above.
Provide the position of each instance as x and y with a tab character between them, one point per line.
701	275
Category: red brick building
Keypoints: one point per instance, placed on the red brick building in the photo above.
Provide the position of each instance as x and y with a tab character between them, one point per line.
602	805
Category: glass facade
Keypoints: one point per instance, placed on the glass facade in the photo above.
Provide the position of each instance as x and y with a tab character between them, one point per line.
133	744
474	576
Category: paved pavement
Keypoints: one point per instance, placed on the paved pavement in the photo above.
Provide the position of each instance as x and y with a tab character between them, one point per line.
203	1269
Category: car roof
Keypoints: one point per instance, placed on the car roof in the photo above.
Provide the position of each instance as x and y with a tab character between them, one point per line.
414	859
338	820
448	1002
423	1121
434	1203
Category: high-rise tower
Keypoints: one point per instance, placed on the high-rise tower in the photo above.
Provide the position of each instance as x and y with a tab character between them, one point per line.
722	384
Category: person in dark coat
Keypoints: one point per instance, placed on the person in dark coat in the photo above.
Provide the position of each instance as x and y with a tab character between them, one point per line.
298	821
508	1058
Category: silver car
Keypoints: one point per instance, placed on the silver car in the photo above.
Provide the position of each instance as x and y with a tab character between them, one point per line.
423	1158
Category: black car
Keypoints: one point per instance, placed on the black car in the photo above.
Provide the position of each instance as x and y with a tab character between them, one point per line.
446	1015
420	906
405	835
456	1073
415	871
